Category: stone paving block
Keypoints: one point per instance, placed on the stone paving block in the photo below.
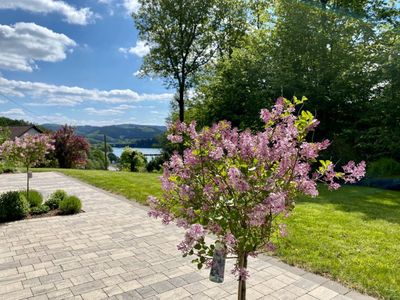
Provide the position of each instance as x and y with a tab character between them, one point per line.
216	293
81	279
150	279
34	274
113	290
298	291
94	295
162	286
323	293
357	296
129	285
199	296
50	278
87	287
43	289
27	283
8	288
132	295
306	284
60	294
113	280
178	281
340	297
16	295
114	271
146	291
40	297
306	297
175	294
283	294
337	287
315	278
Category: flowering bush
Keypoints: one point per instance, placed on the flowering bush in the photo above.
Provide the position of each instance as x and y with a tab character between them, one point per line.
239	186
71	150
28	151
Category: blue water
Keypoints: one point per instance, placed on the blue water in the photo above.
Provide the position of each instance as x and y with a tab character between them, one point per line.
118	151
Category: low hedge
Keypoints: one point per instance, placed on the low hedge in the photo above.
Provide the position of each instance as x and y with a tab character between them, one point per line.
71	205
13	206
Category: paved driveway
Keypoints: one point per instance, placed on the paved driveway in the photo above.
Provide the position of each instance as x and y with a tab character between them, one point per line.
114	250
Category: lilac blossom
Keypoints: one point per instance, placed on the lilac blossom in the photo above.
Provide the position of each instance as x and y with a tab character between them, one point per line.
236	185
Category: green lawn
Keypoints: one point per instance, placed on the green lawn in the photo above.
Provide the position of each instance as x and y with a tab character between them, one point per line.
351	235
134	186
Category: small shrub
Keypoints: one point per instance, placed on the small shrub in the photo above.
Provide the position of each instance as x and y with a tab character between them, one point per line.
54	201
13	206
384	167
35	198
71	205
42	209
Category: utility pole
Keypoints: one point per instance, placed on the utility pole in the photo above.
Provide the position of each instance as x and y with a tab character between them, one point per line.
105	153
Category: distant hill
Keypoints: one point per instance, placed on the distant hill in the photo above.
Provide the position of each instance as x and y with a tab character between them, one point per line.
119	135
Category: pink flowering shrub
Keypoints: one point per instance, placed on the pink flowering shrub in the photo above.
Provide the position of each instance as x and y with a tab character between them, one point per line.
235	185
27	151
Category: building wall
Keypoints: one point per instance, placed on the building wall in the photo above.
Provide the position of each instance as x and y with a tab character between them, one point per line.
31	131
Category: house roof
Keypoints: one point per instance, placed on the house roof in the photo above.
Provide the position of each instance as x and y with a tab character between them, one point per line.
17	131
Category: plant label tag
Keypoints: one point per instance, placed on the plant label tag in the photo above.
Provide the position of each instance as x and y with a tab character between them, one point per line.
218	263
30	175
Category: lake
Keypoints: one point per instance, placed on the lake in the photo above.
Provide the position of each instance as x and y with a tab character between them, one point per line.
118	151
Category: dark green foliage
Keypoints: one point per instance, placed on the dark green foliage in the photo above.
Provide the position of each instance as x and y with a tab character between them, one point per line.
54	201
13	206
71	205
132	160
343	56
35	198
9	122
42	209
155	164
96	159
383	167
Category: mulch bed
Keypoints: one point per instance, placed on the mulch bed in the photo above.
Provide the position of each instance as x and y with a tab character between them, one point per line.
51	213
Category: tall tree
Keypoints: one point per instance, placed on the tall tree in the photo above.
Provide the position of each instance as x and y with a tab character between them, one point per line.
184	36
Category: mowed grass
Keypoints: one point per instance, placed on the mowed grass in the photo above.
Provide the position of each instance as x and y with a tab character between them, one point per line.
134	186
351	235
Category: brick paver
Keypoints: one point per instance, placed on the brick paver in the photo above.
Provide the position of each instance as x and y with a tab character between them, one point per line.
113	250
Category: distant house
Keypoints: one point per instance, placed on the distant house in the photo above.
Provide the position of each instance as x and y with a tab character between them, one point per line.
20	131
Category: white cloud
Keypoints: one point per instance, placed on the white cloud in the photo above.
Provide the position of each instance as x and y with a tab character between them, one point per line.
103	112
117	110
141	49
49	94
24	43
131	6
14	112
71	14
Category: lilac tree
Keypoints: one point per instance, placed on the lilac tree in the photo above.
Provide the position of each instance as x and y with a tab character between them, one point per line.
28	151
240	186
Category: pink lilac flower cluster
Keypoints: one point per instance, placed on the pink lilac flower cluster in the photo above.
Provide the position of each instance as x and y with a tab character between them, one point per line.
28	150
235	184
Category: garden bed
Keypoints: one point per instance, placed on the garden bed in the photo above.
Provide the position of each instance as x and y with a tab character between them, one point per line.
17	205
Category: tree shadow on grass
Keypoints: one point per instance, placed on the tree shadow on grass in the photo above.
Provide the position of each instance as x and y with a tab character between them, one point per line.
373	203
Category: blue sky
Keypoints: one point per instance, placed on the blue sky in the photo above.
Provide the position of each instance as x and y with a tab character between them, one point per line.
75	62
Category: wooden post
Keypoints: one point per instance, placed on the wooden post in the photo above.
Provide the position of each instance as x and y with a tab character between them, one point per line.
105	153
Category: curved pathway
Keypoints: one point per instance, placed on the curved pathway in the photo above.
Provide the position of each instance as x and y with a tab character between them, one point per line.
115	251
